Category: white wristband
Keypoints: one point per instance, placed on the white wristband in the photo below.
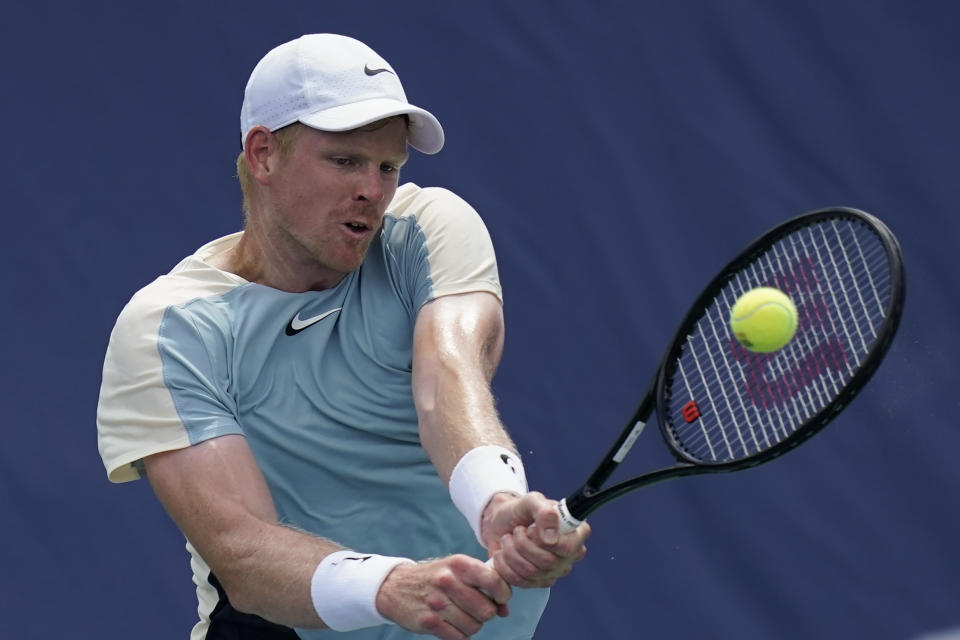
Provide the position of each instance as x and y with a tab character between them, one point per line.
482	473
345	585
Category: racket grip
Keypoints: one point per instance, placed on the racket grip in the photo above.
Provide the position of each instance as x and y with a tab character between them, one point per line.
567	522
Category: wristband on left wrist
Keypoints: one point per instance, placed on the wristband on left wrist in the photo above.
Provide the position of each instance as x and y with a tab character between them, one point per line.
479	475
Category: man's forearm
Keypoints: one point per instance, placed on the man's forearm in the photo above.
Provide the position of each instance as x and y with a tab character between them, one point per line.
215	494
457	345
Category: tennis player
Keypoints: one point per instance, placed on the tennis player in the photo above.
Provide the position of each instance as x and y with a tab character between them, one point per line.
310	398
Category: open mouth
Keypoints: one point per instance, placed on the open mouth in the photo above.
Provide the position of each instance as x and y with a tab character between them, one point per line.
357	227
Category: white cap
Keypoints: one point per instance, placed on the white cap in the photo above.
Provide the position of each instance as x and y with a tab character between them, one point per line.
331	83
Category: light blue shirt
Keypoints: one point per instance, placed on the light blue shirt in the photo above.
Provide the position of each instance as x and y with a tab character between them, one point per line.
319	383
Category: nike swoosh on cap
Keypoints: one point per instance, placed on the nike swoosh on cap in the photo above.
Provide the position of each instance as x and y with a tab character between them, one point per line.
372	72
296	325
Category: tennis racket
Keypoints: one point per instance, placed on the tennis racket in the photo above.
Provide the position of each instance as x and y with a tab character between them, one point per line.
722	408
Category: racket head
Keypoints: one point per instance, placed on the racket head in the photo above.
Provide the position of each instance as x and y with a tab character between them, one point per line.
721	407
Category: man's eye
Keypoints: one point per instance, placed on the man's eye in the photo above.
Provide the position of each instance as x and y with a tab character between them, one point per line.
343	162
388	168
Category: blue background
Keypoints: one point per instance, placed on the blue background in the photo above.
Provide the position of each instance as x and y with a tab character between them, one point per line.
620	152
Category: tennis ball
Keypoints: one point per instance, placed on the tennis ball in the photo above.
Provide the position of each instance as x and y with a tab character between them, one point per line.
764	319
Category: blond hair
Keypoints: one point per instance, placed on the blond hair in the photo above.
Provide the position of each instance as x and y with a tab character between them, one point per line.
285	137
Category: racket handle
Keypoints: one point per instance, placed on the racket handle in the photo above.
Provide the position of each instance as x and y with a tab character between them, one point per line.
567	522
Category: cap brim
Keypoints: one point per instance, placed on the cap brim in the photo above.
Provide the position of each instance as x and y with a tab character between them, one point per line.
426	134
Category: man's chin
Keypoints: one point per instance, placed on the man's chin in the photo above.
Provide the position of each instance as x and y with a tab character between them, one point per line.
347	265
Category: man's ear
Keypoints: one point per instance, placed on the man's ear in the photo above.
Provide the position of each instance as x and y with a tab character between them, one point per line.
261	153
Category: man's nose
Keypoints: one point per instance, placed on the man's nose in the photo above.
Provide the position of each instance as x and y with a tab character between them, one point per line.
370	185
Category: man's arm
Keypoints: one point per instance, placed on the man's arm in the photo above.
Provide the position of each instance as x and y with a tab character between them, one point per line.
458	341
216	494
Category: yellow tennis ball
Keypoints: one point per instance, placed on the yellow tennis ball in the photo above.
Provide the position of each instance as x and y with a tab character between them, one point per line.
764	319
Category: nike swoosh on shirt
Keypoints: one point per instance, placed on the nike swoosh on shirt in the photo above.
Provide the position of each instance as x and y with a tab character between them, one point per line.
297	325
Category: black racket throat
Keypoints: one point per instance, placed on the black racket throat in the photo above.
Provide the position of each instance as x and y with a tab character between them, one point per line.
592	495
721	408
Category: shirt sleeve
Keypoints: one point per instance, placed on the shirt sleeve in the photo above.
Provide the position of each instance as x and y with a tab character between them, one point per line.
160	389
447	250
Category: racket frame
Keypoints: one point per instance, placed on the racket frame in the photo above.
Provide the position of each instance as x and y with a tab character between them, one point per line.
575	507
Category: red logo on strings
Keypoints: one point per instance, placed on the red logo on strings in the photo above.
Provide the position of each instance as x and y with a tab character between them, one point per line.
690	411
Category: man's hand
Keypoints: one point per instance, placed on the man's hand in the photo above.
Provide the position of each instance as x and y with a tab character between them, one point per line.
449	598
522	536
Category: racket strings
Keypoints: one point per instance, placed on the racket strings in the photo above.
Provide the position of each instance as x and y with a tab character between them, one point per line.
838	275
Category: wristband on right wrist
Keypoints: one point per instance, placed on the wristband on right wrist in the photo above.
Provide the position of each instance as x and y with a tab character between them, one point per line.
344	588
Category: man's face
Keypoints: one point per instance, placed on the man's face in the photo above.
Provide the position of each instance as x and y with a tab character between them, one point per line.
330	194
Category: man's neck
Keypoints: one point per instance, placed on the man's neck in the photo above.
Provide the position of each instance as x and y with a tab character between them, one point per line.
257	261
